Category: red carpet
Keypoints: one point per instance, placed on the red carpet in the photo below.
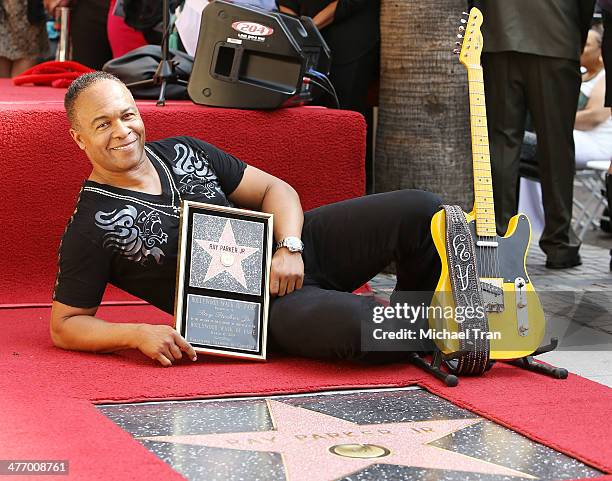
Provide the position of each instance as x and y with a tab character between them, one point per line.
318	151
47	413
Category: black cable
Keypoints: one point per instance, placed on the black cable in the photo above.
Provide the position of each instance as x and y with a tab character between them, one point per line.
323	78
331	93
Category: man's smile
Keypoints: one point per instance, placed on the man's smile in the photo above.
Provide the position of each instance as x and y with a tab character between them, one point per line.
124	146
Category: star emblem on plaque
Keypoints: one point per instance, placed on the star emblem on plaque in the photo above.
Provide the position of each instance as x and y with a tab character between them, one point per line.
319	447
224	264
222	287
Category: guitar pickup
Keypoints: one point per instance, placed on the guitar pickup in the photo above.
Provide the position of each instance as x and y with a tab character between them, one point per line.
493	294
522	314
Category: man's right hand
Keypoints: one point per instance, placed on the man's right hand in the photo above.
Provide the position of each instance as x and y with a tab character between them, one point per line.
77	329
162	343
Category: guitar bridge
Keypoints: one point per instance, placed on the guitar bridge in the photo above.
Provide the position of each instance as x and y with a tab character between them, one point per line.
522	317
493	294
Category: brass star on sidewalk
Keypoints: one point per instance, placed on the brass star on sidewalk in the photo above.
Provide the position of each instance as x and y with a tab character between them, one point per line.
319	447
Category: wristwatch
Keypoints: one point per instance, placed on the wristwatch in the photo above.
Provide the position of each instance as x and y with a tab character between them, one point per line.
293	244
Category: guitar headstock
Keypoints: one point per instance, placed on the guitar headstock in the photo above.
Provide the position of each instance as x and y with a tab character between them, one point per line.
470	38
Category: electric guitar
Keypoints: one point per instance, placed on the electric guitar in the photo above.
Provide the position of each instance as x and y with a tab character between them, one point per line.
516	321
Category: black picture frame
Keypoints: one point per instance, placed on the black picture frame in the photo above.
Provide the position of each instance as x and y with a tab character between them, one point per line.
221	308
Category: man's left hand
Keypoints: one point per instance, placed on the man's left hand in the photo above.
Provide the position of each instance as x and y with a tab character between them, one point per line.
287	272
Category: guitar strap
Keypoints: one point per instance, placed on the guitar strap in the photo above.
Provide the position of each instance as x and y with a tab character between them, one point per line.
467	292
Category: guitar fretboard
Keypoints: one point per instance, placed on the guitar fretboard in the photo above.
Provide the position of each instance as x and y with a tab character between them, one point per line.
483	189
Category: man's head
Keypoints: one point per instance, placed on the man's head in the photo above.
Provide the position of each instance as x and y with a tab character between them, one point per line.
105	122
591	55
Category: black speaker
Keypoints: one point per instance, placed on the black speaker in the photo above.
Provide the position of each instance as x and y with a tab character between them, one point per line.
251	58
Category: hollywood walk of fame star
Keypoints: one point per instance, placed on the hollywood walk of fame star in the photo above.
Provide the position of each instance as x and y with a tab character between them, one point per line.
309	443
226	255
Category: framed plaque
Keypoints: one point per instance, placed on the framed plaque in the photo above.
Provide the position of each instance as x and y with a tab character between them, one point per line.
222	294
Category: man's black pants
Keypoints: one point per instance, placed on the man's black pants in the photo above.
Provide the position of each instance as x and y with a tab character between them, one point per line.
346	244
548	88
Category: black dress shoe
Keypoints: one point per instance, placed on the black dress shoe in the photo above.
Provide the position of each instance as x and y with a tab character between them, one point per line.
564	263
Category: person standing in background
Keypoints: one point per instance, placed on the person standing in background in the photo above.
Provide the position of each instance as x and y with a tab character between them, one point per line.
593	126
88	34
23	39
606	46
531	62
606	51
121	37
351	29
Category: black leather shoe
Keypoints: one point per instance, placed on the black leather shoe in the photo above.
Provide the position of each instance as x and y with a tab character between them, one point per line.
564	263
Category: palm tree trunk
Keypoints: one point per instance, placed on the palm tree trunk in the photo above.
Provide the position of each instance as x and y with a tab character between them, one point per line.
423	138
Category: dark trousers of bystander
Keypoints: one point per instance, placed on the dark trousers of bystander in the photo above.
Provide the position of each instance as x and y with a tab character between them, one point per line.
352	81
548	88
346	244
90	45
606	53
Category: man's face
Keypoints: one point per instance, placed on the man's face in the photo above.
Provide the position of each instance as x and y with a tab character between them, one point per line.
108	127
592	50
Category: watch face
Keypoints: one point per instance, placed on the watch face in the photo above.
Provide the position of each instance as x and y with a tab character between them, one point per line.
294	244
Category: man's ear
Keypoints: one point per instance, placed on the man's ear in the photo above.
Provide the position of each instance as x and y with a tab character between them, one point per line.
77	138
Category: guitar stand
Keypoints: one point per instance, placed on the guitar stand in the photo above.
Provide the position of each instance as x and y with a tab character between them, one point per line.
165	73
527	362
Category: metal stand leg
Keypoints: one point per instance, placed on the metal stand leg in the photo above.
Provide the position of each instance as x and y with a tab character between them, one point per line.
161	101
434	368
530	364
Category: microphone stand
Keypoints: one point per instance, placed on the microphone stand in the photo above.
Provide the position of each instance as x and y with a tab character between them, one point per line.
166	71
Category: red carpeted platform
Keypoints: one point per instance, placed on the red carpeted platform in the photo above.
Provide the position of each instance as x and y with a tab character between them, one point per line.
47	397
318	151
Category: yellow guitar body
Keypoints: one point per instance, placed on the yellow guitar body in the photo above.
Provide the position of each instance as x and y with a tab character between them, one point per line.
508	338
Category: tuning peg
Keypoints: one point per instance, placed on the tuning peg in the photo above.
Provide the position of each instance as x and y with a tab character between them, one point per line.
458	44
462	29
463	20
465	14
456	51
459	35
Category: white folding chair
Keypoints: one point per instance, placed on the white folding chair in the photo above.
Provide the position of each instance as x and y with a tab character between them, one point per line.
588	210
590	181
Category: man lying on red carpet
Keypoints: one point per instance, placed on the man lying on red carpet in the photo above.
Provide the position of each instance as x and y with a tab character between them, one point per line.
124	231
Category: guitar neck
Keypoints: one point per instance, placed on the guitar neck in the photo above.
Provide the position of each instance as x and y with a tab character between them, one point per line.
483	189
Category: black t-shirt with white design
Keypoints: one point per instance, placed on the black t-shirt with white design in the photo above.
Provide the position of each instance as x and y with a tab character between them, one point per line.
130	239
